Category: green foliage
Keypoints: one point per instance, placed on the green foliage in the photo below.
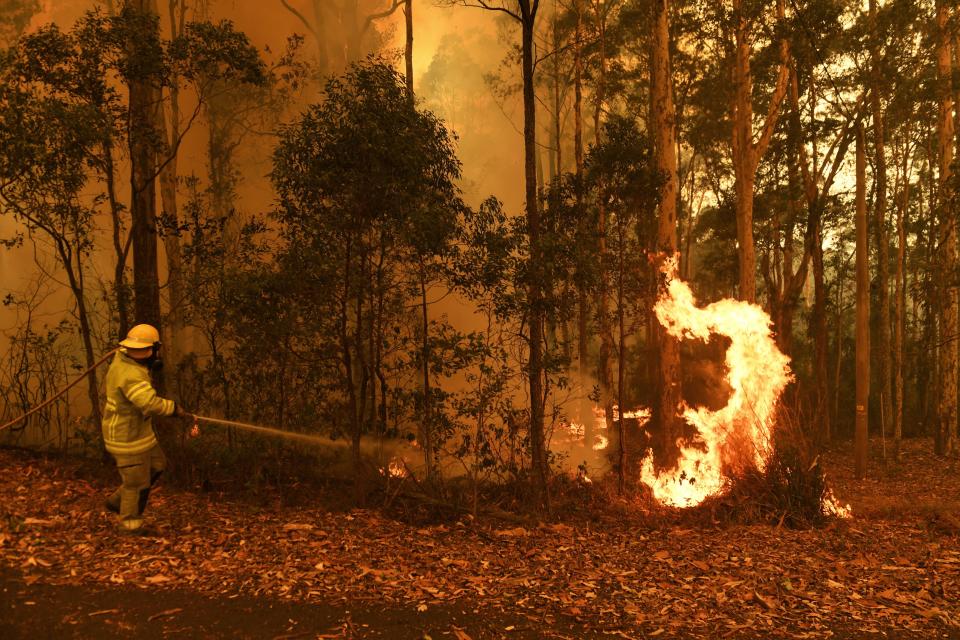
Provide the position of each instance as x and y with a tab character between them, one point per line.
368	205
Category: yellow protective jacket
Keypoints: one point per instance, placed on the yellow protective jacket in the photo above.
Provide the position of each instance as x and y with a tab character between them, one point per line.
131	404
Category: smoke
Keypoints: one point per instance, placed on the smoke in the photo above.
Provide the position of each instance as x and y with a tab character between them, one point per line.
456	51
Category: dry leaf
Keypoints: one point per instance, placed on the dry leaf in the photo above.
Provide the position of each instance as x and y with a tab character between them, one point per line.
460	634
766	601
164	614
37	521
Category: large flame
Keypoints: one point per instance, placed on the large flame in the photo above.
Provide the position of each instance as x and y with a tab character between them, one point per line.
736	436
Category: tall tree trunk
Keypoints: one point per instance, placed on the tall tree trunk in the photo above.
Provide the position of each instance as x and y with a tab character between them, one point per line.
75	279
350	23
955	43
621	357
900	302
947	430
556	81
143	208
583	301
881	237
929	373
535	365
821	339
604	372
408	47
121	247
838	343
426	426
348	370
664	125
168	198
746	152
863	314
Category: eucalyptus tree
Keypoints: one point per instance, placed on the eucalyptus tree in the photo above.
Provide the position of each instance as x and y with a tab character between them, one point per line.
623	173
366	188
946	434
48	133
525	13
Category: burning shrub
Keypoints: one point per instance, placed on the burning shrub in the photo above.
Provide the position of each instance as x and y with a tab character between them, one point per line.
790	490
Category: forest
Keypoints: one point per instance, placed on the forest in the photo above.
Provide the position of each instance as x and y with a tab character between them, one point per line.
480	318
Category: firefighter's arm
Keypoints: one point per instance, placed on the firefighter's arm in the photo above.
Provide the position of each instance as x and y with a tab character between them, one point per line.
144	397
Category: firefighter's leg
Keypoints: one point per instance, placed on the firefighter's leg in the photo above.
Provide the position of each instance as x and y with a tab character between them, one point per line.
135	472
158	462
113	502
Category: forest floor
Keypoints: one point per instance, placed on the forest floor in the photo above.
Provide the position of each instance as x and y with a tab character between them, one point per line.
225	568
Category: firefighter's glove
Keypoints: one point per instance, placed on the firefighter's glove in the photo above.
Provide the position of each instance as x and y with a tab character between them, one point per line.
180	412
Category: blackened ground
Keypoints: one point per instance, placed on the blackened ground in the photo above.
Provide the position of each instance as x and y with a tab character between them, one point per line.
39	610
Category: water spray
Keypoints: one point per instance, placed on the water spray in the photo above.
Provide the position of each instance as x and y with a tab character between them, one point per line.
271	431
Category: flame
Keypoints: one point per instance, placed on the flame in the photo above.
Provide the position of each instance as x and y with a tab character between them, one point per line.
736	436
395	469
833	507
600	441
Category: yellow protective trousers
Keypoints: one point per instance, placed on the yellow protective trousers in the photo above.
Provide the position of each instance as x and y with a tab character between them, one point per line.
139	473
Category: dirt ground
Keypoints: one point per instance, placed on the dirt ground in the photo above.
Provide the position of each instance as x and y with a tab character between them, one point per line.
217	568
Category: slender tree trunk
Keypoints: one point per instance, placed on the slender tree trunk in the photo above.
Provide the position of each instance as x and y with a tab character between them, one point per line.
350	23
746	152
121	247
168	199
744	171
363	363
863	314
408	48
881	238
583	301
426	422
928	372
821	338
955	43
535	365
900	311
621	357
838	339
143	209
947	431
75	279
348	373
557	99
604	372
664	125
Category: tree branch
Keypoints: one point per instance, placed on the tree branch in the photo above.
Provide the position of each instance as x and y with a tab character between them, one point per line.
483	4
843	140
301	17
773	113
383	14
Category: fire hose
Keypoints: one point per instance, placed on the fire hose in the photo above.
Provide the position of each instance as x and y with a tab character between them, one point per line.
55	397
270	431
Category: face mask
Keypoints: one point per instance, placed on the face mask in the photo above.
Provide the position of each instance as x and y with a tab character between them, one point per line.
154	362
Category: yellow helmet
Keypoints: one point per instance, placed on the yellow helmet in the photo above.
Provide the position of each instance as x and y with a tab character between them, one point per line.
142	336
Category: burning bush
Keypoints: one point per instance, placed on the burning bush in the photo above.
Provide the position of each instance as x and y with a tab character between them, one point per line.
791	489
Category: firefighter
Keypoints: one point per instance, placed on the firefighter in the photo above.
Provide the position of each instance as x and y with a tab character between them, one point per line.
128	433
